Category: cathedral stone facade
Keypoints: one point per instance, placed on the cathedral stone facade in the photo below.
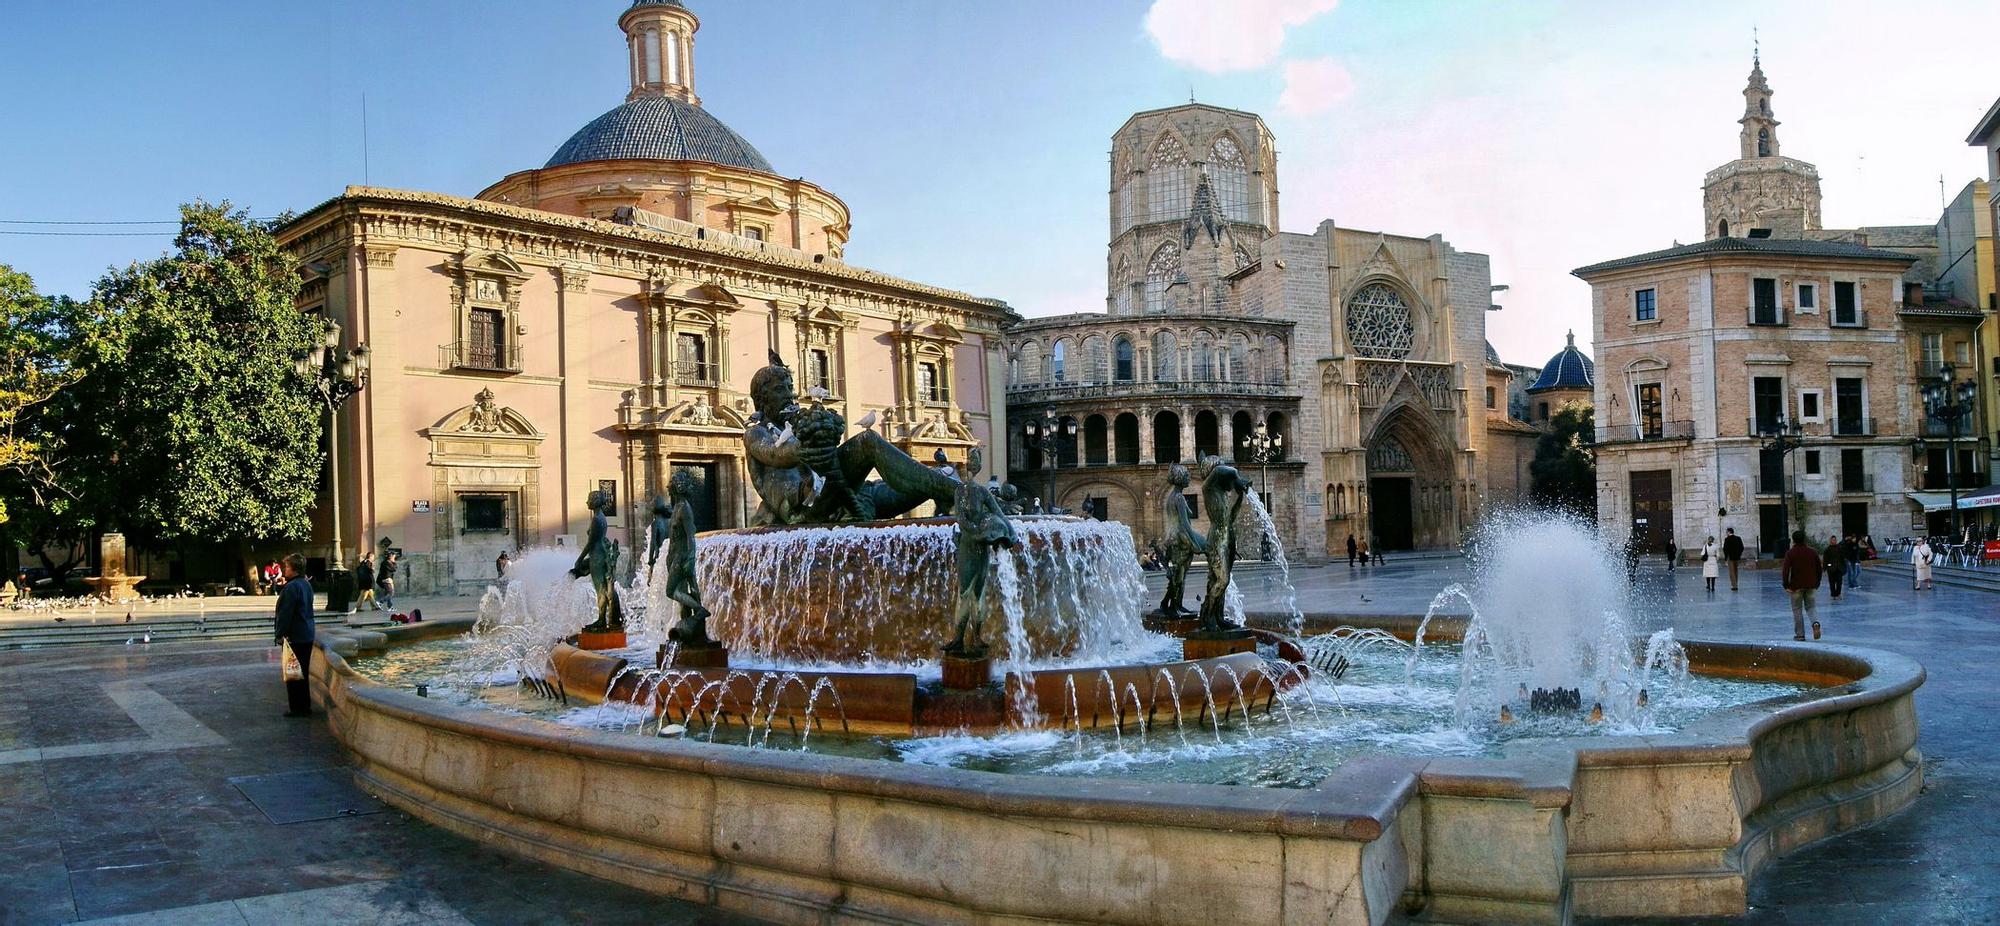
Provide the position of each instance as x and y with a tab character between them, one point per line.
1365	351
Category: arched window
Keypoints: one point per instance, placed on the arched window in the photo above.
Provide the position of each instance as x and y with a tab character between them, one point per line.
1059	362
1763	143
1031	362
1166	438
673	57
651	47
1121	287
1231	178
1722	229
1121	359
1276	364
1096	434
1161	271
1096	361
1066	444
1167	181
1204	357
1207	436
1239	358
1125	439
1123	220
1166	357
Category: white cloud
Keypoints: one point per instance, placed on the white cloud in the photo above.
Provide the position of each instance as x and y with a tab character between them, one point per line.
1314	85
1237	35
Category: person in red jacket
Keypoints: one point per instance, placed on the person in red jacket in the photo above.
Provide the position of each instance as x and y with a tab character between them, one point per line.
1801	575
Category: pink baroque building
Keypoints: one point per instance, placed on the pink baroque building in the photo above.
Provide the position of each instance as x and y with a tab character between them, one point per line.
594	324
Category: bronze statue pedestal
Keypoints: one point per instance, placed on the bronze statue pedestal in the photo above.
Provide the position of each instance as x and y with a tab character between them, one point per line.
693	657
968	672
1179	624
600	639
1207	644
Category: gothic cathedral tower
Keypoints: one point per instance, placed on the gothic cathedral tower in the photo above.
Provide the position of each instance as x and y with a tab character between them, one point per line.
1194	193
1761	189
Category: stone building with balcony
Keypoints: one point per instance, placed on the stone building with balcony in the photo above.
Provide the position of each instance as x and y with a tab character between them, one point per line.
1364	350
594	324
1778	327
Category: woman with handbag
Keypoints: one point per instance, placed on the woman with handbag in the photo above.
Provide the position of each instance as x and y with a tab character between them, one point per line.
1711	563
293	630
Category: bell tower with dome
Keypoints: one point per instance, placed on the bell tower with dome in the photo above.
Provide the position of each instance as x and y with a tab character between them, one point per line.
1761	189
663	160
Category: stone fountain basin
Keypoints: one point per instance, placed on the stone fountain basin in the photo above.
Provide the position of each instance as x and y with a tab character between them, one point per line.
1663	825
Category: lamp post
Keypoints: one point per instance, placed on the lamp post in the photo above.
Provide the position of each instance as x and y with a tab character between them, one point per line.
1782	437
1045	436
1264	447
1950	400
335	374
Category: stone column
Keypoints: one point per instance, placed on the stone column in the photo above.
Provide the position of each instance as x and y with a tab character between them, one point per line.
1147	452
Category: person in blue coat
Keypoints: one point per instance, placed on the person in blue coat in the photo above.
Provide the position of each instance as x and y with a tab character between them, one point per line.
293	627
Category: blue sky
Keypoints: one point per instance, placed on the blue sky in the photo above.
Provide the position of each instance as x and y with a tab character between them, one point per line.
970	138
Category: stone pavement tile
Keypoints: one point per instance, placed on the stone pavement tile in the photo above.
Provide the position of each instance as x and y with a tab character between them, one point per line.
381	903
109	891
36	887
220	913
24	823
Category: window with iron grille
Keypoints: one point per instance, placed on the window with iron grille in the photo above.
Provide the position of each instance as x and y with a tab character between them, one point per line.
488	345
483	513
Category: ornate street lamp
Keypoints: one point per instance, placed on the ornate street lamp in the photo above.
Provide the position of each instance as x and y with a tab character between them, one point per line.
335	375
1949	400
1264	447
1046	436
1782	437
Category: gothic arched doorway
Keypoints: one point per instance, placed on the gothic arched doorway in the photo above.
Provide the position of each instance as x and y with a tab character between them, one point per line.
1410	496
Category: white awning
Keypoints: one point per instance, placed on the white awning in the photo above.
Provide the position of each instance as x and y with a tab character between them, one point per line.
1988	497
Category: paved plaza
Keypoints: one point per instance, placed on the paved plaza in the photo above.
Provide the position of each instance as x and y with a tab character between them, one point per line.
127	778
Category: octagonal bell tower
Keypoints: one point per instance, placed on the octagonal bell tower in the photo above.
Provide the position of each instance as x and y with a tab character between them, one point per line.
659	35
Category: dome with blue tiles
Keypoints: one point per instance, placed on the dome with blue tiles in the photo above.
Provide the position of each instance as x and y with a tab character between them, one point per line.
661	128
1570	369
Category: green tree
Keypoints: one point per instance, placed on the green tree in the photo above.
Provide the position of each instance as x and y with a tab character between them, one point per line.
198	428
40	341
1564	472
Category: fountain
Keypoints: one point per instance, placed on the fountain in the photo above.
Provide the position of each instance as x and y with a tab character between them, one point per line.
968	716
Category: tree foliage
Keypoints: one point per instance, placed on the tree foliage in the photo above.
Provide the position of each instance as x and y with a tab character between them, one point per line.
38	338
194	426
1564	472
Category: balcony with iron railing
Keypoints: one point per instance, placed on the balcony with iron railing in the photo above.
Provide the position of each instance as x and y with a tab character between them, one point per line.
1934	428
1765	316
1855	482
1770	483
1645	431
1120	389
1833	427
696	373
1935	479
480	355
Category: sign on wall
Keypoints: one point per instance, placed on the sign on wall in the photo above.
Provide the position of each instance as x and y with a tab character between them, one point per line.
420	505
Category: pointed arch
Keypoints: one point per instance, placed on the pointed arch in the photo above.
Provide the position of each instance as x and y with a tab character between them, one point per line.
1167	179
1166	356
1229	174
1122	360
1161	272
1121	286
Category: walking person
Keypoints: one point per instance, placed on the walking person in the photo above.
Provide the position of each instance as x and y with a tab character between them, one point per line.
500	566
1836	564
364	579
1673	553
385	583
1732	550
1364	553
1352	551
1855	552
1375	546
1801	573
1920	561
292	627
1711	563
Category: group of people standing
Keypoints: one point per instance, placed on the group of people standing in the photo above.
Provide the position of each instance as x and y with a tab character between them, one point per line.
375	587
1362	551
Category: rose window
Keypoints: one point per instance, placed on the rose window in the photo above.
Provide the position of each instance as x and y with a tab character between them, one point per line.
1378	323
